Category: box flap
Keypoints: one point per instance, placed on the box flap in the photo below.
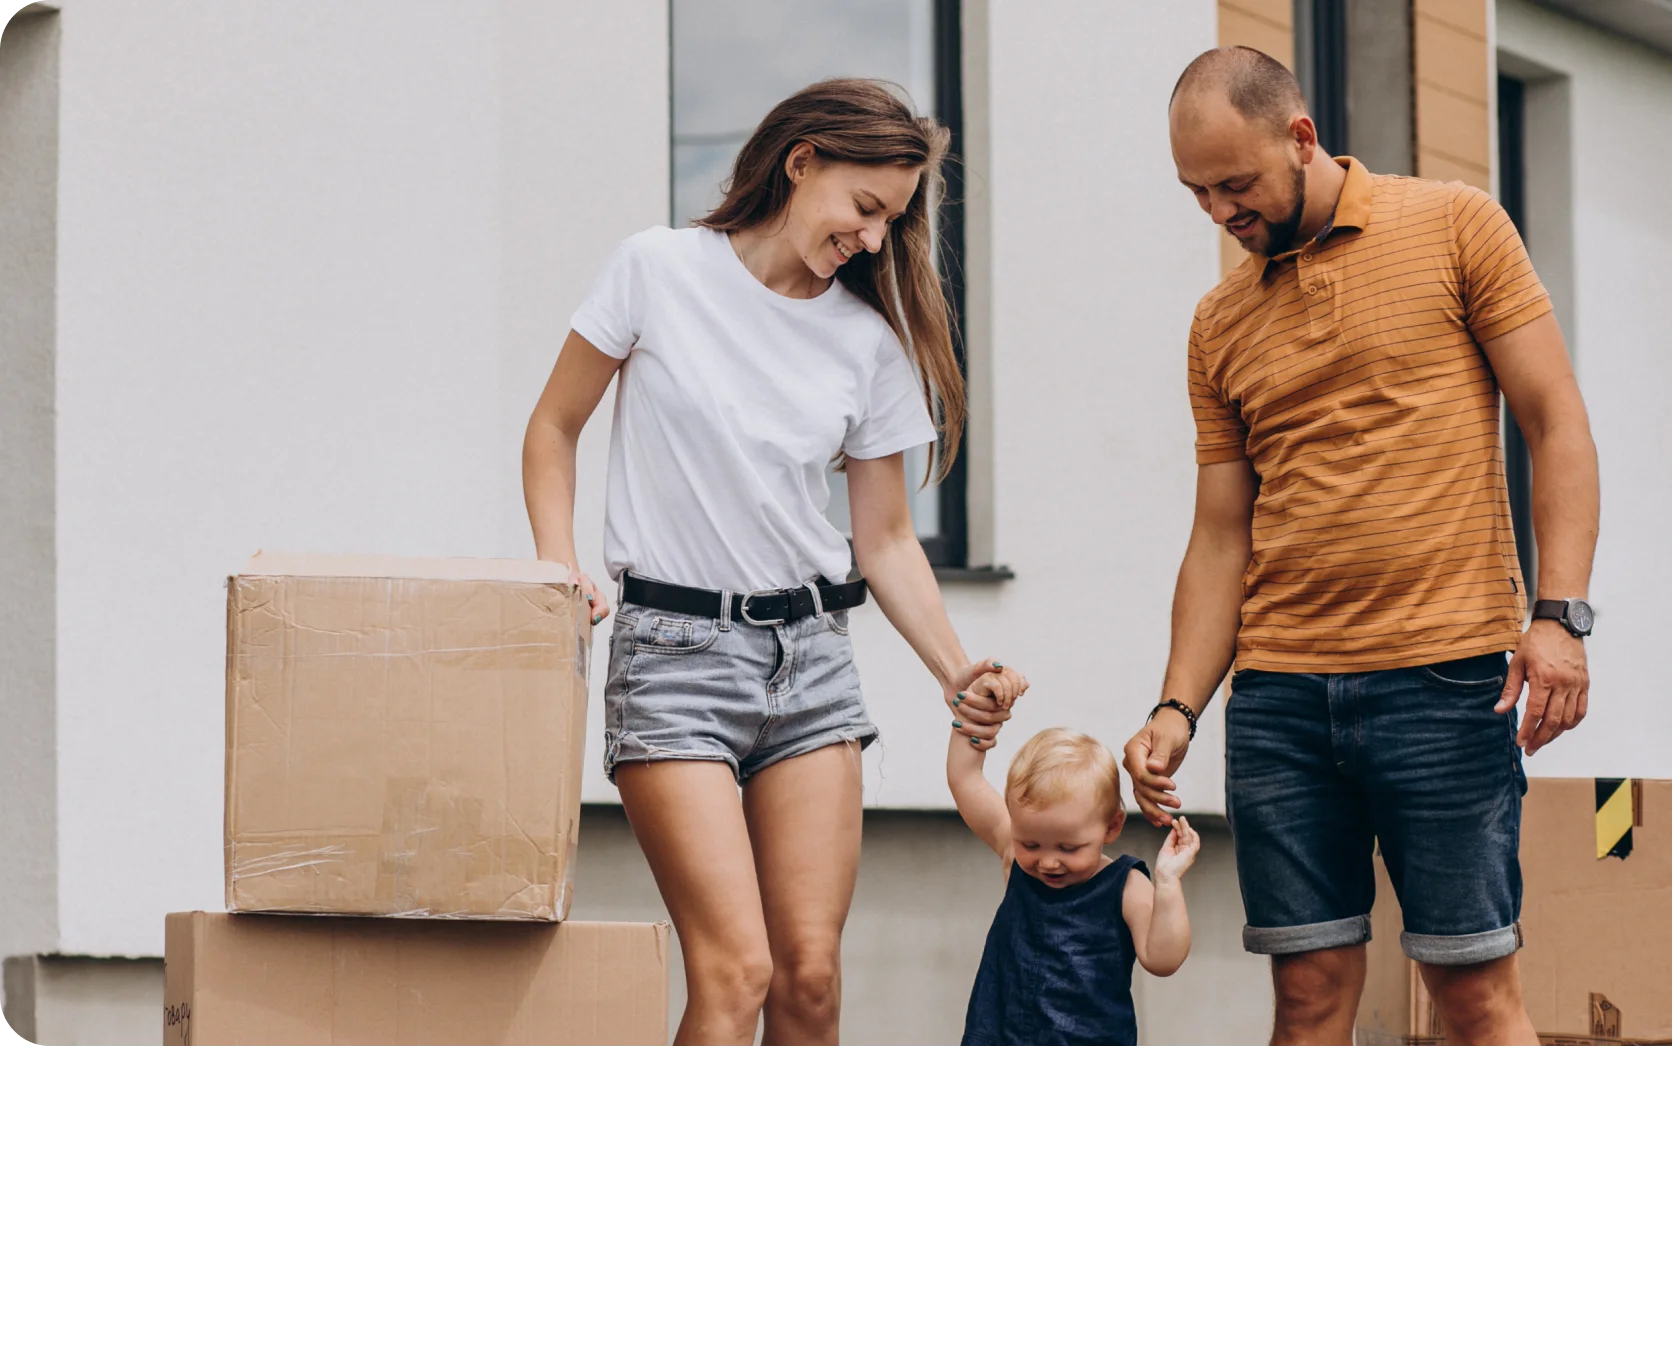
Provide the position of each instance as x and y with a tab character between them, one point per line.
409	568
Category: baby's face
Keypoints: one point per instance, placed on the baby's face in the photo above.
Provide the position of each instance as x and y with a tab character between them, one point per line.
1062	844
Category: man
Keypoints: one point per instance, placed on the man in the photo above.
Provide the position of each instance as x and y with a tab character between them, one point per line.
1353	555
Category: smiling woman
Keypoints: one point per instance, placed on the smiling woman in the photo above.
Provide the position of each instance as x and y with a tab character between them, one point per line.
798	324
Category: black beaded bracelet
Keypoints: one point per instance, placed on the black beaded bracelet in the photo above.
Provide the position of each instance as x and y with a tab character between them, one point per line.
1180	706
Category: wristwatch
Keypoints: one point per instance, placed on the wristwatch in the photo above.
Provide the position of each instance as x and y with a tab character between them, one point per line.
1574	615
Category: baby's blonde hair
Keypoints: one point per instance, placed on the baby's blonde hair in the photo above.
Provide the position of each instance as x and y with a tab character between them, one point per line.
1058	764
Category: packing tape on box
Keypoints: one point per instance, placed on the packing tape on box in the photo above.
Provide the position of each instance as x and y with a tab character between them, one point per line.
1615	815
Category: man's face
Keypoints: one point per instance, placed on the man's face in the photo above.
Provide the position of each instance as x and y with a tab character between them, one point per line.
1249	177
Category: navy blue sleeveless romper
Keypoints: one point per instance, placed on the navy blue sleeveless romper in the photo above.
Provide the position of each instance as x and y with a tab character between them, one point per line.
1057	968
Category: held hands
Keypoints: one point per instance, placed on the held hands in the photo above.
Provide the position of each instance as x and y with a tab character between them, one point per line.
1178	852
981	699
1151	758
1551	663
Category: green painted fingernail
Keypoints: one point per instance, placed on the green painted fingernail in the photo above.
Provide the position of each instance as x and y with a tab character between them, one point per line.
998	665
597	618
975	741
959	699
956	723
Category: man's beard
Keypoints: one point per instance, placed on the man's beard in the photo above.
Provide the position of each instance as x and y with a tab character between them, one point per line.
1279	236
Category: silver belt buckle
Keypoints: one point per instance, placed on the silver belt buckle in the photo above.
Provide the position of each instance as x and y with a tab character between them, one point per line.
743	609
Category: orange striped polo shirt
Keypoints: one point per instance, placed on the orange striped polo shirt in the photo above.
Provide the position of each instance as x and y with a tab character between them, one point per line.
1349	372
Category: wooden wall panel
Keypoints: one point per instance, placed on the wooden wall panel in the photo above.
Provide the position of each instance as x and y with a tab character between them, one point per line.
1453	94
1269	27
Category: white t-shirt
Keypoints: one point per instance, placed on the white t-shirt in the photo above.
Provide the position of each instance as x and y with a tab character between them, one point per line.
729	408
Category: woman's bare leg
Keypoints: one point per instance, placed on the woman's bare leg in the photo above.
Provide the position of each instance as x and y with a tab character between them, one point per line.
689	823
805	819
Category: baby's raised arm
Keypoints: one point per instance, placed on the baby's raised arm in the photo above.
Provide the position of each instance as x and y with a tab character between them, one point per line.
1155	912
979	803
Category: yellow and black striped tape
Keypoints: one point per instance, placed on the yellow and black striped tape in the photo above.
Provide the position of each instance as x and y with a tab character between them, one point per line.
1614	818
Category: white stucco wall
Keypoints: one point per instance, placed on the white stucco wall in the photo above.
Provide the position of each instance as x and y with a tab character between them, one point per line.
313	269
1620	105
28	619
312	275
1098	257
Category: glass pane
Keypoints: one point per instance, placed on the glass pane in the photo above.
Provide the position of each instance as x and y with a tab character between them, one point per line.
925	500
734	59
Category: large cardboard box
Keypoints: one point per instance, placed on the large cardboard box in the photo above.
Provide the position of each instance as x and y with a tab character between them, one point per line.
1596	962
295	980
404	737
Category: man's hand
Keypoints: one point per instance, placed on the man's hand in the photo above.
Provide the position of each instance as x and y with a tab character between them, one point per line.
980	701
1151	758
1551	663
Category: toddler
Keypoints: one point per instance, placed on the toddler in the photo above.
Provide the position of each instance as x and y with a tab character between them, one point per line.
1057	968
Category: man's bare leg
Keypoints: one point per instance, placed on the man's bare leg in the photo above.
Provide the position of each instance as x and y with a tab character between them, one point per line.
1480	1003
1317	995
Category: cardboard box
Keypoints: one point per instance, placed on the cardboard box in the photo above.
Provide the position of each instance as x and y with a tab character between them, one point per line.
404	737
295	980
1596	963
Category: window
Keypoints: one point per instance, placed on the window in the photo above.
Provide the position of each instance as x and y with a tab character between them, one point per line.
1512	193
1353	62
734	59
1321	68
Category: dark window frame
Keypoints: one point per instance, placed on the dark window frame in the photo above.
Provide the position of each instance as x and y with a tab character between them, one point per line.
948	548
1322	26
1512	194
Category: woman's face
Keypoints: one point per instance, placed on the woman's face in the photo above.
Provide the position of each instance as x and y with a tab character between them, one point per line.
838	208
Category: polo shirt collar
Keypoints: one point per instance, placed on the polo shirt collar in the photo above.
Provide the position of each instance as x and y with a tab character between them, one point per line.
1352	212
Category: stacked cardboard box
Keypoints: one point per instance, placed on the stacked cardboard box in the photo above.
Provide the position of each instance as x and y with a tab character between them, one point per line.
1596	916
404	748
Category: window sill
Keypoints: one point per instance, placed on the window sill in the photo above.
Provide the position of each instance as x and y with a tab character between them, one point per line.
975	575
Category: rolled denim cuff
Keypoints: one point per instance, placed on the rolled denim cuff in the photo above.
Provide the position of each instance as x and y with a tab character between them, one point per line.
1456	950
1304	939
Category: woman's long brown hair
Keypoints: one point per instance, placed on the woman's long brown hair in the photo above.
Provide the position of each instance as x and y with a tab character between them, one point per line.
865	122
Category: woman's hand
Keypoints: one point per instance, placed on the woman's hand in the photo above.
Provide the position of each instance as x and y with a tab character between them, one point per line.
578	380
981	699
596	598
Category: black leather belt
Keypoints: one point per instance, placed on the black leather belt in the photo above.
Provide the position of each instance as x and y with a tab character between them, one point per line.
757	607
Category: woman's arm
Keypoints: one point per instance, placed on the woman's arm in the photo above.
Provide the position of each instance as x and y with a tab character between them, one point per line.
892	560
572	393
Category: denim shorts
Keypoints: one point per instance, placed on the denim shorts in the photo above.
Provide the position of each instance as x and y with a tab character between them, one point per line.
1323	771
682	687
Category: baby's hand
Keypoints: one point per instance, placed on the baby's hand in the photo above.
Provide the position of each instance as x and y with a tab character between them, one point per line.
1178	851
1004	688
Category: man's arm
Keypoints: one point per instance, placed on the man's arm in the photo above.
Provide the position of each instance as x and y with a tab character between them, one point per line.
1207	608
1532	367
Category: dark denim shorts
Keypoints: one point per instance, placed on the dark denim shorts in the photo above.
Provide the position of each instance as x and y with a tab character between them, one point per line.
1322	771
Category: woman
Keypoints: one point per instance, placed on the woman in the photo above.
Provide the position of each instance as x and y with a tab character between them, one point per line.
753	349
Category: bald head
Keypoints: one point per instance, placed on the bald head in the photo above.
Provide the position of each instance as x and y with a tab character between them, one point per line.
1262	90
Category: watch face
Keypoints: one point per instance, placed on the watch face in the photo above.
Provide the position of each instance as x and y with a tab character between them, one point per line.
1580	616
